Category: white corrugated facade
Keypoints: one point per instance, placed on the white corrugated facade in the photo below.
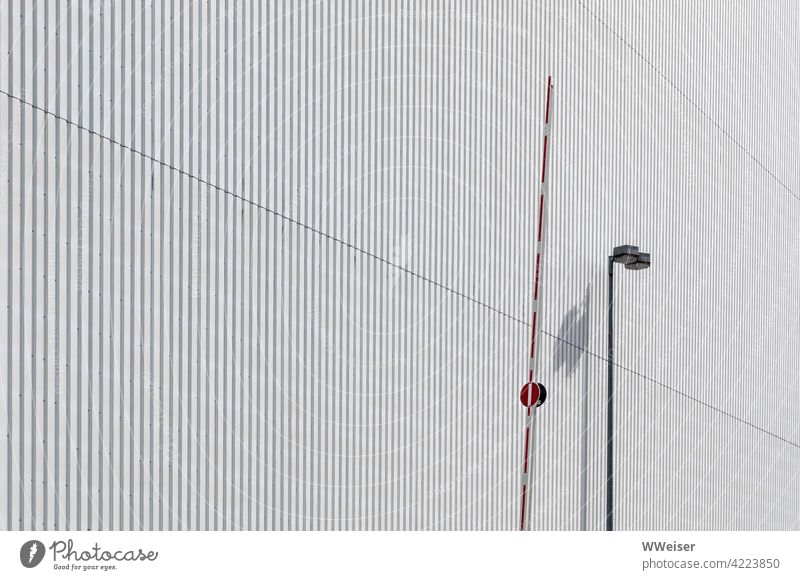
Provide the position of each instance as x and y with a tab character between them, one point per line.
268	265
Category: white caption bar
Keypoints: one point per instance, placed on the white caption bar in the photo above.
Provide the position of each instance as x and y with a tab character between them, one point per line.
398	555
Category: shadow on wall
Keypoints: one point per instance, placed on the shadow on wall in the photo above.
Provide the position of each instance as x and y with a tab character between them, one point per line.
572	347
574	335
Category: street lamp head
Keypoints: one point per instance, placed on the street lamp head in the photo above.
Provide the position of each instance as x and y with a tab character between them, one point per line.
626	254
642	263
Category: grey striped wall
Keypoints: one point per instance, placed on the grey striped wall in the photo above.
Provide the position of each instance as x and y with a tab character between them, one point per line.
267	265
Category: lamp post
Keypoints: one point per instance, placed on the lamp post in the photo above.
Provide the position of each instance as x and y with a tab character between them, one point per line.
633	259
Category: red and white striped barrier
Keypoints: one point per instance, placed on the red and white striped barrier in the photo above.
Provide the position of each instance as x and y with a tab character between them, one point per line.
533	394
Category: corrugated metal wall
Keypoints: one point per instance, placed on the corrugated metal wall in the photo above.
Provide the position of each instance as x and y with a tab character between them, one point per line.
268	265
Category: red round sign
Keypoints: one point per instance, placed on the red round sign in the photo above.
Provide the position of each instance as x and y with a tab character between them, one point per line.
529	395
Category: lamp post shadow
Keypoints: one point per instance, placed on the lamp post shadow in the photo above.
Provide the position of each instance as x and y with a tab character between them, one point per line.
571	350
